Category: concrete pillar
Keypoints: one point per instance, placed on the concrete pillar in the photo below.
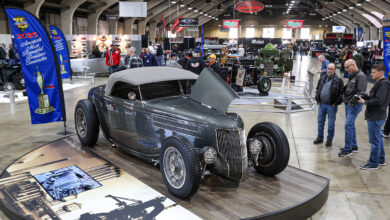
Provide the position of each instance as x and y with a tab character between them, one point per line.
34	8
67	15
129	22
93	18
142	26
112	27
152	31
3	22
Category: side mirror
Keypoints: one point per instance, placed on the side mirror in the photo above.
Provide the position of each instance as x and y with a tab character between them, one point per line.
132	96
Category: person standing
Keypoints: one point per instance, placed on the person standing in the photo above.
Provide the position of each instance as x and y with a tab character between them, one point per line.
2	54
328	96
148	58
195	64
172	61
183	61
375	114
214	65
113	58
96	52
132	60
324	65
357	84
11	55
159	55
359	59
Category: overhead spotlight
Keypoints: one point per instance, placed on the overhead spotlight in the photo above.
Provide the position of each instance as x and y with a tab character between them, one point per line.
339	12
173	2
205	14
345	9
216	19
292	2
359	3
189	8
351	6
182	3
196	10
200	12
334	13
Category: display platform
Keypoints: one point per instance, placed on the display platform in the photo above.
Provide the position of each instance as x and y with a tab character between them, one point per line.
62	180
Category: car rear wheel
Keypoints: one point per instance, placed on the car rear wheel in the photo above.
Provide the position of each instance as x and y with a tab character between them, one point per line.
86	123
264	85
180	167
275	150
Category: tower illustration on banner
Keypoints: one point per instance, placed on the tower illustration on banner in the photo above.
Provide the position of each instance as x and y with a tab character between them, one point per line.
44	105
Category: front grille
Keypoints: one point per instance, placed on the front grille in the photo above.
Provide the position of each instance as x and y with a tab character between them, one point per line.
233	152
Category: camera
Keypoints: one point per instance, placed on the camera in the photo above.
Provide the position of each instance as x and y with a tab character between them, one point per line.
362	95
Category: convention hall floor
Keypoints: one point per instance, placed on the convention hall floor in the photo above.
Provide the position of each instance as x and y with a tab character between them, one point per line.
353	194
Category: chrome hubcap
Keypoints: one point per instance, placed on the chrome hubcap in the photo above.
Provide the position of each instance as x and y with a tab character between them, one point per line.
174	167
81	122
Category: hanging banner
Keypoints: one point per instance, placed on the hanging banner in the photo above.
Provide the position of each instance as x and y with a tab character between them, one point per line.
360	34
386	49
179	29
295	24
175	24
39	66
249	6
165	24
61	48
230	23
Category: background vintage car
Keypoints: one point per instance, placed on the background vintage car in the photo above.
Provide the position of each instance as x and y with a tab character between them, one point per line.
147	112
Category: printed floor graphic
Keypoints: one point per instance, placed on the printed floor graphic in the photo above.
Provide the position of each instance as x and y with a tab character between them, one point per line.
47	184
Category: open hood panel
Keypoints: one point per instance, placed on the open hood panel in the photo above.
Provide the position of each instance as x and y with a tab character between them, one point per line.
211	90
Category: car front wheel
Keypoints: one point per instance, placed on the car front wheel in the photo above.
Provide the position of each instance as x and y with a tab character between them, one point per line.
86	122
274	150
180	167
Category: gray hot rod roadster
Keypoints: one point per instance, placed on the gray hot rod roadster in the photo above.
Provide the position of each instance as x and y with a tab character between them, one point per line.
147	112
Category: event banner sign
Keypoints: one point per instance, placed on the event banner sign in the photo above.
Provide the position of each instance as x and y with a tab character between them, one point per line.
188	22
39	66
175	24
386	49
61	48
295	24
230	23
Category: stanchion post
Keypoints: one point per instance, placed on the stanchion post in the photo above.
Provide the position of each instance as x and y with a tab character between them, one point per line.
289	104
12	97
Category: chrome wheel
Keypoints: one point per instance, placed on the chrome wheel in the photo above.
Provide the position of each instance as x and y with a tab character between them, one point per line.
81	124
174	167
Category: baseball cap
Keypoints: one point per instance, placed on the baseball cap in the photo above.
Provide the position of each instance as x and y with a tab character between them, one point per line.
213	56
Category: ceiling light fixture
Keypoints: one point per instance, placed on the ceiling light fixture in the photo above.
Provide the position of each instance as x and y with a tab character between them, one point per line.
173	2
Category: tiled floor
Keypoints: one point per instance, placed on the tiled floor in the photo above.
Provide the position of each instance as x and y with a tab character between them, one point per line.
354	193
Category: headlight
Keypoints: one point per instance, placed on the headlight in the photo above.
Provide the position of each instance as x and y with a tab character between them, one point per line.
209	155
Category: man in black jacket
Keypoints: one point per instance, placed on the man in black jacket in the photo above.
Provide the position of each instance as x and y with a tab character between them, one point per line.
195	64
2	54
357	84
328	97
375	114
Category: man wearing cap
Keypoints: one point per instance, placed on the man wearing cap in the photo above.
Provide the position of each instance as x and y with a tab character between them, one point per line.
213	64
172	61
113	58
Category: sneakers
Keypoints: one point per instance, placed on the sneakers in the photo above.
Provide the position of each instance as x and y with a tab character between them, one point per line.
328	143
380	164
354	149
345	153
318	141
368	167
385	135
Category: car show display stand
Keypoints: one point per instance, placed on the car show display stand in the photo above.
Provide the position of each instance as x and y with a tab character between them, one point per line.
125	187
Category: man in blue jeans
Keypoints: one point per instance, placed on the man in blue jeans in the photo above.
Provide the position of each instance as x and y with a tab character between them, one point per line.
328	96
375	114
357	84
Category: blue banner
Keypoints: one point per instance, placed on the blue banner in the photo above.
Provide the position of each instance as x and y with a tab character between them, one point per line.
360	34
39	66
386	49
61	48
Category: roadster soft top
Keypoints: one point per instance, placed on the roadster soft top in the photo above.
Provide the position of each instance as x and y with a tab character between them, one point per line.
140	76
